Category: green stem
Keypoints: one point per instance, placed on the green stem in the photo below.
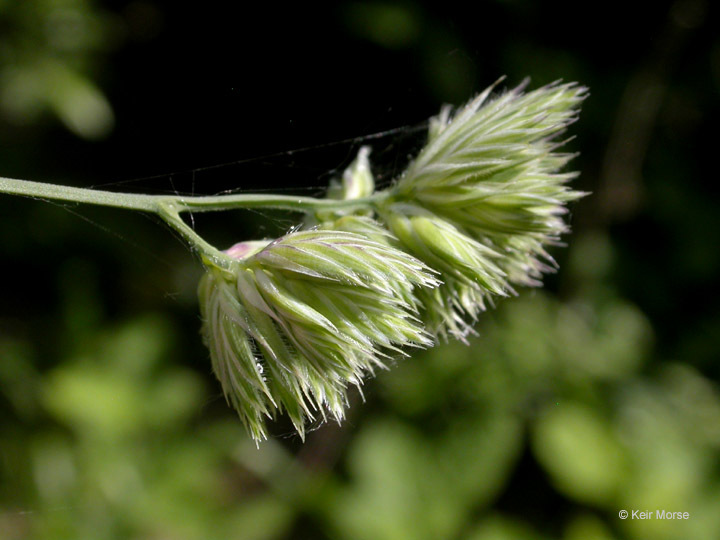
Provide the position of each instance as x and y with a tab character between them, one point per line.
151	203
210	255
169	208
145	203
279	202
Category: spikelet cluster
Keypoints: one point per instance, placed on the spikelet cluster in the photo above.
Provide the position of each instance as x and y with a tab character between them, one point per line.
306	316
485	197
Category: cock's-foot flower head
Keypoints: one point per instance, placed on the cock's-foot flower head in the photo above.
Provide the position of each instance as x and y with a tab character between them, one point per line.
484	198
304	317
297	320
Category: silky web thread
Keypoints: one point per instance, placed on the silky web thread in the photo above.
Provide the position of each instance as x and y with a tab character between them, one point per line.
383	179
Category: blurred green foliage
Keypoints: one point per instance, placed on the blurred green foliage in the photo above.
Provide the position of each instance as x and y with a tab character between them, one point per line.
48	48
596	394
114	442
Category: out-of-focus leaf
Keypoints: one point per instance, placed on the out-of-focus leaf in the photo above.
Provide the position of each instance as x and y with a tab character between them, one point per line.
46	51
408	484
80	105
587	527
106	393
580	452
397	492
92	400
263	518
499	527
477	454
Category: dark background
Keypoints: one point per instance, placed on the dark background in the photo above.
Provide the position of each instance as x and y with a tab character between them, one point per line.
596	394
